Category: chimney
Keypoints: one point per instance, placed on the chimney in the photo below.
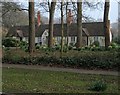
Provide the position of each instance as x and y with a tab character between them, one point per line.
38	18
69	17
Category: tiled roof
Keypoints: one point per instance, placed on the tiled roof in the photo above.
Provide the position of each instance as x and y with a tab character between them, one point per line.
89	29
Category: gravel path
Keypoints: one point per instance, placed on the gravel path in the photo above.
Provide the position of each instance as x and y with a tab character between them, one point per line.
61	69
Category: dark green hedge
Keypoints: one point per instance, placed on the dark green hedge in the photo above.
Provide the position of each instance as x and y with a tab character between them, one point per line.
93	60
10	42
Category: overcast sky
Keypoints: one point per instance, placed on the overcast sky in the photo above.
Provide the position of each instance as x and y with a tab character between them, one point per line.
113	13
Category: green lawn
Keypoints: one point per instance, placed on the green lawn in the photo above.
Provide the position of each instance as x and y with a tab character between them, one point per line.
24	80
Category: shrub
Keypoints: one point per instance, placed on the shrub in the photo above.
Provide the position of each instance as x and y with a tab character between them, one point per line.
96	43
83	48
70	47
57	47
43	47
51	49
107	60
114	45
79	49
25	60
23	45
94	48
37	46
98	86
65	48
117	40
87	47
109	48
10	42
15	59
7	55
7	49
6	52
72	44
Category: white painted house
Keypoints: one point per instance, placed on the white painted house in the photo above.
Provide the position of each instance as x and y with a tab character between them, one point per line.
93	31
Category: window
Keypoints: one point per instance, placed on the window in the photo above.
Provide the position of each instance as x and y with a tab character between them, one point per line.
39	39
46	33
26	39
95	38
72	39
58	39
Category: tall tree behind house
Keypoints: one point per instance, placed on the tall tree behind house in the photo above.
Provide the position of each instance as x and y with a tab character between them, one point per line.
51	21
31	27
107	23
62	27
79	24
67	22
119	20
13	14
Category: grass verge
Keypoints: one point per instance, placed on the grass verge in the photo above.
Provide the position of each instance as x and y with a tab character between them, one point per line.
33	81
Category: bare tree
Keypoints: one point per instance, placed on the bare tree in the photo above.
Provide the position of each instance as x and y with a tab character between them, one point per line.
12	15
69	20
31	27
119	21
106	24
62	29
79	24
50	8
67	23
51	21
86	6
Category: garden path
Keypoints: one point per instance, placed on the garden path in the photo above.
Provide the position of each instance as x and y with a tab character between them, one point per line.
102	72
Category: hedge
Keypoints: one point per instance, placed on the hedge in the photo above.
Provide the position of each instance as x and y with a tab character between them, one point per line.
10	42
94	60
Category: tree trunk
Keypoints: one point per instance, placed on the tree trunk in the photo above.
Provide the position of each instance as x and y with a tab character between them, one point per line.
51	21
31	27
119	20
106	24
67	24
61	28
79	24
